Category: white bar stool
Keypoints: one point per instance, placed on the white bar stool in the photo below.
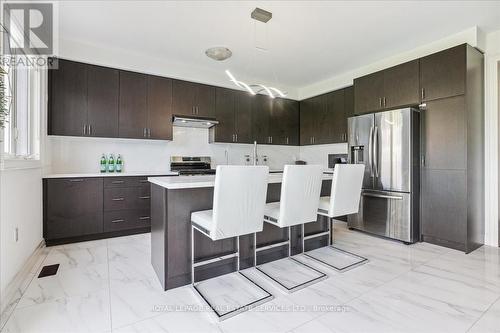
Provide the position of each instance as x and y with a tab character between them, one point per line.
343	200
300	192
238	207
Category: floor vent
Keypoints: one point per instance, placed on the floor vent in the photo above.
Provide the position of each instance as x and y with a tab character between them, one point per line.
48	270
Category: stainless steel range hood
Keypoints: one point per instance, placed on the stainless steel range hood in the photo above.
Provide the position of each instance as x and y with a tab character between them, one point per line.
184	121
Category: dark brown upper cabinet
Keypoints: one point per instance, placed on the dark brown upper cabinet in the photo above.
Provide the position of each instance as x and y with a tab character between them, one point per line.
193	99
261	117
443	74
401	85
349	101
394	87
336	117
68	99
102	101
133	105
284	122
368	93
159	108
233	110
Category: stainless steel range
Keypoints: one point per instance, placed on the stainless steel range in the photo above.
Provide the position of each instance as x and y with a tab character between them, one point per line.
191	165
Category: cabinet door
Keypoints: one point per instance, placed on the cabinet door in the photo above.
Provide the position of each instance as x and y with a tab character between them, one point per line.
225	104
133	105
443	74
243	117
290	122
74	207
401	85
261	112
102	101
336	122
184	98
205	101
68	99
368	93
349	102
444	204
444	130
306	121
321	130
159	108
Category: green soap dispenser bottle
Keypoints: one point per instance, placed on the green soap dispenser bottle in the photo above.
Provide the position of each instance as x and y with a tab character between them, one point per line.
119	164
111	163
104	163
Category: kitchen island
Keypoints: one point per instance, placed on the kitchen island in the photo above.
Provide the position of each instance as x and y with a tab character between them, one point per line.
173	199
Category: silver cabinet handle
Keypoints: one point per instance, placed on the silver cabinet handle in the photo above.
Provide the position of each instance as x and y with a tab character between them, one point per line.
236	137
118	221
90	130
143	181
118	199
382	196
76	180
117	182
144	132
145	197
233	138
84	129
287	140
422	93
144	218
380	101
149	132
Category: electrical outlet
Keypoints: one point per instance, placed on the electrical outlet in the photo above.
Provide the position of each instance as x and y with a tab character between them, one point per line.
17	234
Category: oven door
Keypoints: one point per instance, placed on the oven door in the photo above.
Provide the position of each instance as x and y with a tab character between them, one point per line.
384	213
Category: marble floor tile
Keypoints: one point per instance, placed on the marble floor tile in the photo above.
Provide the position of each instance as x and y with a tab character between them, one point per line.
15	298
489	321
89	313
77	257
291	273
231	292
78	281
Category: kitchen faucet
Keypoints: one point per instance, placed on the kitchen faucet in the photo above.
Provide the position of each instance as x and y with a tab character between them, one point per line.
255	153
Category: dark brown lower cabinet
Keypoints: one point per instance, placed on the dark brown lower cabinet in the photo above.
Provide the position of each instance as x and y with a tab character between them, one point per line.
73	207
77	209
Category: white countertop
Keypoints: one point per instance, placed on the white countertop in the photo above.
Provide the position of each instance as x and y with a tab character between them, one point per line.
107	174
174	183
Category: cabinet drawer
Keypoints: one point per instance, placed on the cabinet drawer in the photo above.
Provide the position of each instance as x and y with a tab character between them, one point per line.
126	198
124	181
123	220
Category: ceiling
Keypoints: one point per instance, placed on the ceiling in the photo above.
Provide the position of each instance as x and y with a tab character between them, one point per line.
307	41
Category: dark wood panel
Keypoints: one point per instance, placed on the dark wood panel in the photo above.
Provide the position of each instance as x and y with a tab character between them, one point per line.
445	134
401	85
261	113
225	109
205	100
444	204
126	219
184	98
68	99
243	117
125	181
103	98
368	93
306	121
74	207
159	108
336	122
349	101
442	74
133	105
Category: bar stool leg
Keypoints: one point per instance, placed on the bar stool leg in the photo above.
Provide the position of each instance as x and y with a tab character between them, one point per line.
289	241
303	238
192	255
255	249
330	229
238	251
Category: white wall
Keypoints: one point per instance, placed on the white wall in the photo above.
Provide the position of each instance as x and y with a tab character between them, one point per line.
21	207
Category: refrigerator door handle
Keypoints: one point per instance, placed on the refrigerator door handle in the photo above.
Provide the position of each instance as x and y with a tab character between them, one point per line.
383	196
375	151
370	151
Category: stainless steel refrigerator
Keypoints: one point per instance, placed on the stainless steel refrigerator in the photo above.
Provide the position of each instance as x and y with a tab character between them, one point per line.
388	144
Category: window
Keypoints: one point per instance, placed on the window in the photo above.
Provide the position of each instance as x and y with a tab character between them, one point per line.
22	128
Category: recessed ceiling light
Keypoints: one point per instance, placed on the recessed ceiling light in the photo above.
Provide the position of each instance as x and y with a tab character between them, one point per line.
219	53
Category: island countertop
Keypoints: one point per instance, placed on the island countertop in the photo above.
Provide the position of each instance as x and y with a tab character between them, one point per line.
182	182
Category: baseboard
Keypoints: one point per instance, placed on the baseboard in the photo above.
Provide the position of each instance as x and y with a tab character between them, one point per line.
15	289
